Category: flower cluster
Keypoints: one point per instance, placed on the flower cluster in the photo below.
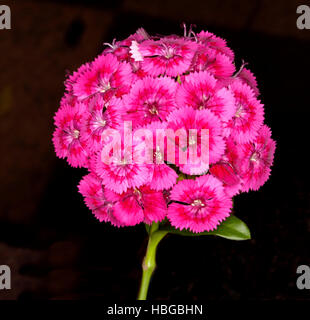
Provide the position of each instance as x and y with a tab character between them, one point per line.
164	83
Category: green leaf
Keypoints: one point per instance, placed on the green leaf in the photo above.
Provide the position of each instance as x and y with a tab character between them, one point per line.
232	228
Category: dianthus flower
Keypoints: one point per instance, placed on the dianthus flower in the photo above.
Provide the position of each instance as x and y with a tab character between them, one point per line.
190	119
170	56
93	191
100	116
137	205
254	160
150	99
199	204
67	136
249	114
199	90
105	76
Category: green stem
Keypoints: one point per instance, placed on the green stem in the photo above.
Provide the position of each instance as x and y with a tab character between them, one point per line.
149	262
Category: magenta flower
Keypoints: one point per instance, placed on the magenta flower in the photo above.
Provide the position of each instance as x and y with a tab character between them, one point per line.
200	91
255	159
199	204
218	64
122	172
137	205
67	136
101	115
169	56
93	192
249	114
187	118
106	76
163	177
150	100
210	40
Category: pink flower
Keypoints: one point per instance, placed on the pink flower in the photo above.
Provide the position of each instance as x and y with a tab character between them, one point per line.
106	76
125	170
218	64
212	41
167	56
150	100
249	114
92	190
67	138
198	205
255	159
101	116
188	118
199	90
162	176
138	205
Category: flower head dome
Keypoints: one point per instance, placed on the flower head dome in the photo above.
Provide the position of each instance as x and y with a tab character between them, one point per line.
167	128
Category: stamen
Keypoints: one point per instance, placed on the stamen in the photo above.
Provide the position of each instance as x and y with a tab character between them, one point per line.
239	111
111	45
122	162
240	70
197	203
75	133
153	110
102	123
255	156
105	87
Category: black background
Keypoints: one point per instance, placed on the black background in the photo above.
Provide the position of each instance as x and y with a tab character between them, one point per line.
57	249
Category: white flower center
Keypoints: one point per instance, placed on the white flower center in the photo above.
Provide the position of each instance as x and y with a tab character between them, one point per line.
153	110
169	52
102	123
75	133
122	162
239	111
105	86
197	203
255	157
